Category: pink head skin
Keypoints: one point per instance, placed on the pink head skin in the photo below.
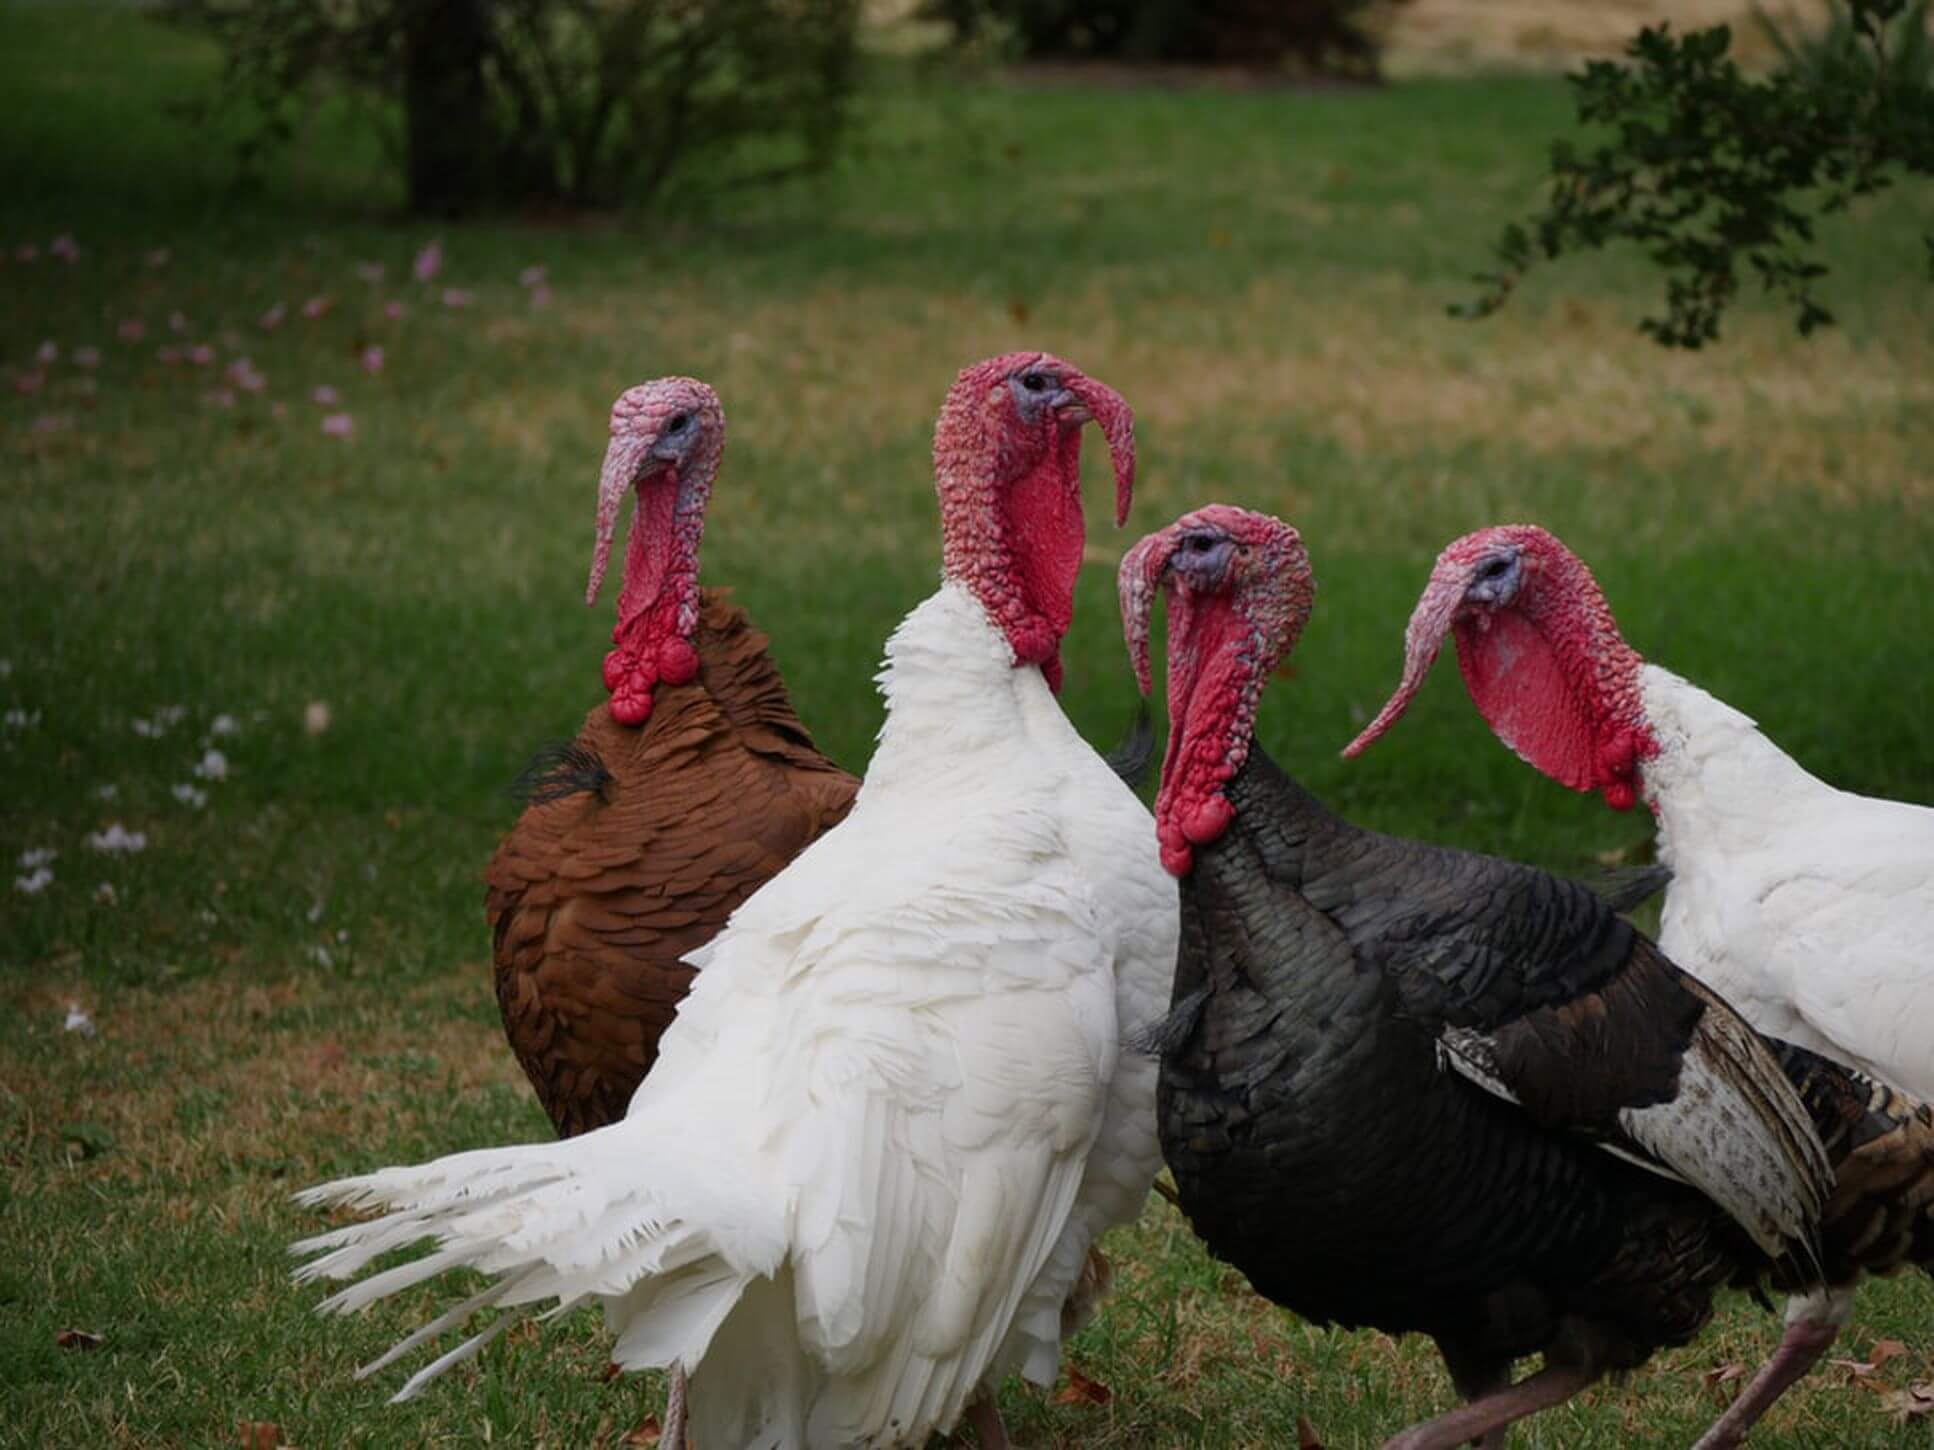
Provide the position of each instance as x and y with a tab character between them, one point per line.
1541	656
1007	466
1239	592
666	439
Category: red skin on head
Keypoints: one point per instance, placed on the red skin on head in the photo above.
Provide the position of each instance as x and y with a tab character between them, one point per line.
671	470
1233	613
1546	667
1010	494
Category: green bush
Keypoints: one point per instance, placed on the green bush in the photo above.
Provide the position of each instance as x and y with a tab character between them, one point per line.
580	102
1329	36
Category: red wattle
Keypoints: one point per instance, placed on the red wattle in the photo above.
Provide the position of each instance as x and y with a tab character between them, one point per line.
677	662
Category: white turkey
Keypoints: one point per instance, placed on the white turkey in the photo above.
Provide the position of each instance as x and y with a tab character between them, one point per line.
893	1113
1809	908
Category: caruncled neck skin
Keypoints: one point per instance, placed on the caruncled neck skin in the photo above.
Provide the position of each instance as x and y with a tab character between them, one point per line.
1557	682
658	605
667	437
1540	654
1214	685
1007	467
1239	591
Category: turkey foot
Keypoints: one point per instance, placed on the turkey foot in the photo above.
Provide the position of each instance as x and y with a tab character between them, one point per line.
985	1416
1801	1346
1552	1385
672	1437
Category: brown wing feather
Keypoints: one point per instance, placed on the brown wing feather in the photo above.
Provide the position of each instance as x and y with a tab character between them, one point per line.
593	899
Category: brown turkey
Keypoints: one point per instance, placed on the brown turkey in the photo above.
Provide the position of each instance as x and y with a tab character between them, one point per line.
1429	1091
681	796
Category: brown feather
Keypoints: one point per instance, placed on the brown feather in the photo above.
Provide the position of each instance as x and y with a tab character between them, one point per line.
594	897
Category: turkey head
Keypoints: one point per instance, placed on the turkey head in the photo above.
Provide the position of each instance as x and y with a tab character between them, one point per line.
1239	592
1007	467
666	440
1540	654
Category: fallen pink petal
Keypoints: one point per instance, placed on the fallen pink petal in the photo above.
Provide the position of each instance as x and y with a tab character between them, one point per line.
372	359
540	297
87	357
428	262
324	396
316	307
339	425
457	297
278	410
533	277
31	382
84	387
132	329
244	375
177	322
201	355
394	310
272	319
168	356
65	247
219	398
370	271
47	352
52	422
26	252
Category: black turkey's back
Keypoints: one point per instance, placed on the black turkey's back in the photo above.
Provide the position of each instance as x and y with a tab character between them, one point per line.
1318	1145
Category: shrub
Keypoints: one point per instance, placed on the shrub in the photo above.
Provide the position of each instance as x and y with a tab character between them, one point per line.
1331	36
582	102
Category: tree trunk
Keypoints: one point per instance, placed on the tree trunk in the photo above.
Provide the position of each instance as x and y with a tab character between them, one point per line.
444	104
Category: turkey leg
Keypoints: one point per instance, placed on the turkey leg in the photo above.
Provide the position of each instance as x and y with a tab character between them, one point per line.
1552	1385
985	1416
1800	1348
672	1437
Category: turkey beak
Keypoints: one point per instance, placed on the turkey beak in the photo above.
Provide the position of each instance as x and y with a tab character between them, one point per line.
1430	621
1098	401
1138	581
626	455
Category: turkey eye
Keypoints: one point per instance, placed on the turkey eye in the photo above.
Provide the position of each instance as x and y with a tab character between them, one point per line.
678	423
1034	382
1494	568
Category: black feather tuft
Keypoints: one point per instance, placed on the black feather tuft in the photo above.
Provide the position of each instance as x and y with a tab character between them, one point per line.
561	770
1166	1034
1629	887
1131	759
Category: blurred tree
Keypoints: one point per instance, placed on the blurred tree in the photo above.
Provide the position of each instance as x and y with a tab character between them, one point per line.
1327	36
581	102
1708	169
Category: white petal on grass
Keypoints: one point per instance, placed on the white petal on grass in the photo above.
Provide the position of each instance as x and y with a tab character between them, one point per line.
18	719
192	796
315	717
213	765
106	894
118	837
106	792
77	1020
38	856
34	882
223	725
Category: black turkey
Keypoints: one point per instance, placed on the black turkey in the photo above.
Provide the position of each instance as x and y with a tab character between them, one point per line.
1430	1091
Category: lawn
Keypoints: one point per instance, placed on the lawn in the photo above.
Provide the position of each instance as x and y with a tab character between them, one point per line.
372	630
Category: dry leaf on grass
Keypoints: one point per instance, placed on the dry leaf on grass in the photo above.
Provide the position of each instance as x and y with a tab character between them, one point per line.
258	1434
1306	1436
611	1371
1080	1390
1912	1403
646	1432
1884	1350
77	1339
1719	1376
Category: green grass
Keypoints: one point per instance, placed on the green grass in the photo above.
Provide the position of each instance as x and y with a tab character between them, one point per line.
292	981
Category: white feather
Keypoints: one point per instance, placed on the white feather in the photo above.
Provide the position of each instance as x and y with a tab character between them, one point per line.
892	1114
1808	908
